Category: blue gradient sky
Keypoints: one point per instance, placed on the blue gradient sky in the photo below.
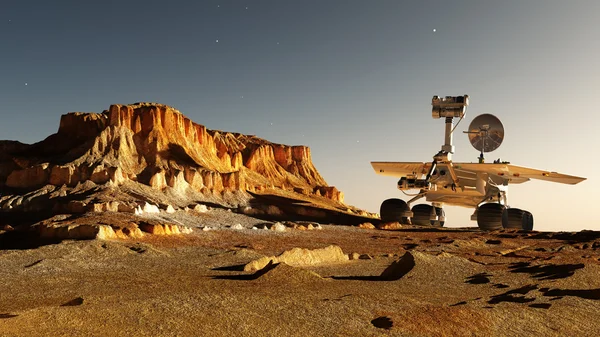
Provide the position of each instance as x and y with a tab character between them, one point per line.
351	79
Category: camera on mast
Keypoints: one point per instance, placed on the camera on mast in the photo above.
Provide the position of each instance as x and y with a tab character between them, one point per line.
449	106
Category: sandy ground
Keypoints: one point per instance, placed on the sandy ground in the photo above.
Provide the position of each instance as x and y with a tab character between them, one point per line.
463	282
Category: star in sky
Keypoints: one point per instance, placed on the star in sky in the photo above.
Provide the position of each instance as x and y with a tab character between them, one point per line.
434	30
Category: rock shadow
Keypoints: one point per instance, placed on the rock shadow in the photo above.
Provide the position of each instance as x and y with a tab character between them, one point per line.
34	263
409	246
589	294
22	240
395	271
4	316
337	299
74	302
236	267
546	271
383	322
515	295
577	237
480	278
248	277
459	303
541	305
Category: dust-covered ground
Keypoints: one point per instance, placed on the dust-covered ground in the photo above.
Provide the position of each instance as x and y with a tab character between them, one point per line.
459	282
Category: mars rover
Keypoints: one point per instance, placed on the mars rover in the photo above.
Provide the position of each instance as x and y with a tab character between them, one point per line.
481	185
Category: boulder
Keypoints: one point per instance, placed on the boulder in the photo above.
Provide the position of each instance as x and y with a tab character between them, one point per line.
389	226
366	225
301	257
278	227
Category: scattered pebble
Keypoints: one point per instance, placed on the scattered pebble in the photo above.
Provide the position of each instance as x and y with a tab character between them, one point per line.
237	226
278	227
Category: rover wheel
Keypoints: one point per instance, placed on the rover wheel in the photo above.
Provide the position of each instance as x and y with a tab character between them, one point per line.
528	226
492	216
441	217
421	215
394	210
517	218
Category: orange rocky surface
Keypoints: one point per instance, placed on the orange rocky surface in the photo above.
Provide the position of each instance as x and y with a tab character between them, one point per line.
156	145
132	157
337	281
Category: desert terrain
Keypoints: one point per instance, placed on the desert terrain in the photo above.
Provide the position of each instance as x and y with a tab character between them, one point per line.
139	222
404	282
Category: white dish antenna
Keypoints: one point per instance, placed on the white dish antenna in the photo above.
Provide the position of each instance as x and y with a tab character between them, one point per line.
486	133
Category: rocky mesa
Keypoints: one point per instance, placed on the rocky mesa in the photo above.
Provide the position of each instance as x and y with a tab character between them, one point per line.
132	155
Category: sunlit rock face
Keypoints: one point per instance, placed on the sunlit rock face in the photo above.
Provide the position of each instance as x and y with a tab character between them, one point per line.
157	146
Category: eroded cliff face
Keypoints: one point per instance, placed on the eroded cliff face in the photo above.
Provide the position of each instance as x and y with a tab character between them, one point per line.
156	145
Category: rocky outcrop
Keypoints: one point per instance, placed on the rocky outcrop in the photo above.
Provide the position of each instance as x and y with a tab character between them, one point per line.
63	230
156	145
301	257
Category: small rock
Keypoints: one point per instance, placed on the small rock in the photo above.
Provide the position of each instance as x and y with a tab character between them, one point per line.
278	227
206	228
8	228
237	226
310	227
354	256
365	257
149	208
170	209
389	226
299	257
266	225
200	208
366	225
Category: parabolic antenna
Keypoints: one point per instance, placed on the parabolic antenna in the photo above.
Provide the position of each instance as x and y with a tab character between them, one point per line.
486	133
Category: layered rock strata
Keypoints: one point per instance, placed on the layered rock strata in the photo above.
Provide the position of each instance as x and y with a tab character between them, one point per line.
157	146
